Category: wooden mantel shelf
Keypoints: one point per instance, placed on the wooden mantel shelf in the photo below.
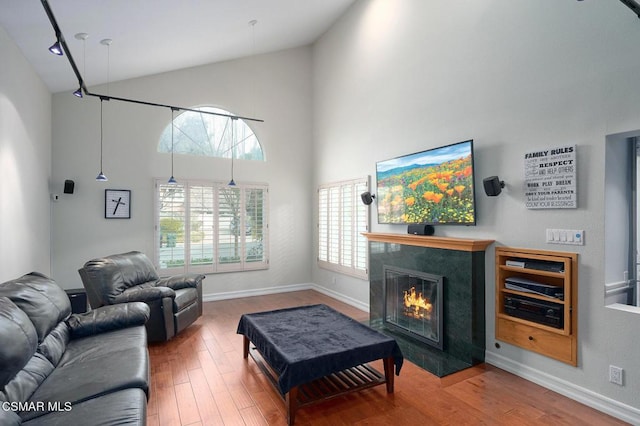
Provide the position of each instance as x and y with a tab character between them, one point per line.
462	244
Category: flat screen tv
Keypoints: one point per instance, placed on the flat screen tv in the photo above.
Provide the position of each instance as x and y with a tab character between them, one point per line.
434	187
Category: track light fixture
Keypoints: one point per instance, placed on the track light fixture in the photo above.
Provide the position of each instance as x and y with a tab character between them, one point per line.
634	5
83	37
56	48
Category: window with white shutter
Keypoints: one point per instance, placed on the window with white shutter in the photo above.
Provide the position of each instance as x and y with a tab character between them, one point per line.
342	218
210	227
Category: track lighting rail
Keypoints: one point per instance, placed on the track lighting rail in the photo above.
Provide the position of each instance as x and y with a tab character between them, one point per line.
83	87
633	5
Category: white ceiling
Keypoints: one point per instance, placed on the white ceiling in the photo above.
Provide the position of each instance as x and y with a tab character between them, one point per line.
154	36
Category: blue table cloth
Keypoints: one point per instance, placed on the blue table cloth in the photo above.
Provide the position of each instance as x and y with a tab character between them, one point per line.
305	343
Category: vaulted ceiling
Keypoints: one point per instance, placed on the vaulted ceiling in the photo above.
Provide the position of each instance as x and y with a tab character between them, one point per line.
154	36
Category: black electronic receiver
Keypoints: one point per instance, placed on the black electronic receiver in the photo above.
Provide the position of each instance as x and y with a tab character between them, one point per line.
535	287
540	311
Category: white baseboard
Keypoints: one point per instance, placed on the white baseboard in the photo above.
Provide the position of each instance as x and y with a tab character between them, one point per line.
341	297
212	297
592	399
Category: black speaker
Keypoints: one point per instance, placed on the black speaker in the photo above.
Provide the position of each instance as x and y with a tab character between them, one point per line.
367	197
493	185
68	186
420	229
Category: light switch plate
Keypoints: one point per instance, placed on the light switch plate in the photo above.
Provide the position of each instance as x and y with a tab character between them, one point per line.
565	236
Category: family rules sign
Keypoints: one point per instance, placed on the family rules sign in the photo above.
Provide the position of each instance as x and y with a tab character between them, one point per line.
550	178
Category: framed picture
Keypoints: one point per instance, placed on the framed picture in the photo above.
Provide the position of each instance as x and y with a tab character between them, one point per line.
117	204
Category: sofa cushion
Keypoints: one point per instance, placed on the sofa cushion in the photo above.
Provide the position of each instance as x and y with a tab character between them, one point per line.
41	299
27	381
55	343
19	340
9	418
126	407
95	366
88	348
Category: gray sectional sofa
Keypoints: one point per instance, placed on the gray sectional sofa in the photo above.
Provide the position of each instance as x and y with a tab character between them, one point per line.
58	368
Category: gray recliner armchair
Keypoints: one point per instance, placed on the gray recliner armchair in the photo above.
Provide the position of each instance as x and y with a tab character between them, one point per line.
175	302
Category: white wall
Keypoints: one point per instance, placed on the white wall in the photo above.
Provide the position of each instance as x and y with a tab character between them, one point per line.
274	87
25	165
391	78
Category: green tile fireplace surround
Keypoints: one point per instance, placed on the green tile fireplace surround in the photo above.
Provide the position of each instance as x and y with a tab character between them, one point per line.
461	263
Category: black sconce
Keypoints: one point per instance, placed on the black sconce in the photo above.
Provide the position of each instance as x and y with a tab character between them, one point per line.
493	186
367	197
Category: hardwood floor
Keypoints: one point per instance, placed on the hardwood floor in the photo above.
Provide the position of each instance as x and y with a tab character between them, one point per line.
200	378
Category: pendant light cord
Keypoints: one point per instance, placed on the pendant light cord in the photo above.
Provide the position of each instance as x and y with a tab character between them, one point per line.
172	125
232	148
101	137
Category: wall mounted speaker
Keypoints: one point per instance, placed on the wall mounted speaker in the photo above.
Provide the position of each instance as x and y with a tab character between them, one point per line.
493	185
367	197
420	229
68	186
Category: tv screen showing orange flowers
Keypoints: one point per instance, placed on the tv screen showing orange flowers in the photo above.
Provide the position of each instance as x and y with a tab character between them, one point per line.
432	187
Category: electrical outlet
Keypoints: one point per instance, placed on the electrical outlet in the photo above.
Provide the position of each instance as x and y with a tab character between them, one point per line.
615	374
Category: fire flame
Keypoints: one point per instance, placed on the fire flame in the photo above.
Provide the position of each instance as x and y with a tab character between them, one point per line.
417	306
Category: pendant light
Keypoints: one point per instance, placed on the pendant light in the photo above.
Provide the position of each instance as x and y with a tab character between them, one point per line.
233	145
101	176
172	180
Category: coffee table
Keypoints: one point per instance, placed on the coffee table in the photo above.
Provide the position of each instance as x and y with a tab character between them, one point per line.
314	353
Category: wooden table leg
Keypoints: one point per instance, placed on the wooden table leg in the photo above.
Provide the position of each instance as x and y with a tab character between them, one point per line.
291	401
388	373
245	347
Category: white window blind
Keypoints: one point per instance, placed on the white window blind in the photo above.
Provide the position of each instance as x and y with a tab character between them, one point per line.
209	227
342	218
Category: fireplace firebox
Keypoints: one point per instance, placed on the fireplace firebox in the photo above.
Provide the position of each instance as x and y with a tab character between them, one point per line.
413	304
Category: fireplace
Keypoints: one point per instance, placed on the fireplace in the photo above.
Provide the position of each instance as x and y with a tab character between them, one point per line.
450	272
413	304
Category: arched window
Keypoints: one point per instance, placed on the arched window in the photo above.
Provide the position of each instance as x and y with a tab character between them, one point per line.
211	135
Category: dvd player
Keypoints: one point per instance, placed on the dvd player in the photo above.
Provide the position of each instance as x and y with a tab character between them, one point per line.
540	311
